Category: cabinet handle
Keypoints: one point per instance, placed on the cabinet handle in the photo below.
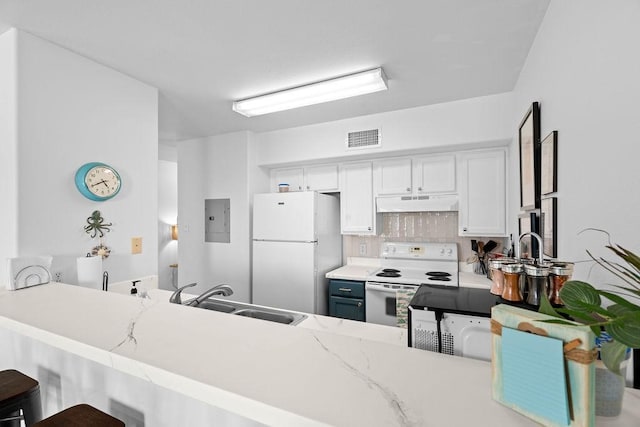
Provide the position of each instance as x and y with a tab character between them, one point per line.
308	188
299	187
419	188
369	228
359	304
408	189
464	228
344	289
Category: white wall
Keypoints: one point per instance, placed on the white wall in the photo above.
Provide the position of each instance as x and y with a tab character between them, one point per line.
71	111
192	257
215	168
483	121
167	215
584	70
8	149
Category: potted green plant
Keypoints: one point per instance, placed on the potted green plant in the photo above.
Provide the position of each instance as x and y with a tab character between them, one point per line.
620	319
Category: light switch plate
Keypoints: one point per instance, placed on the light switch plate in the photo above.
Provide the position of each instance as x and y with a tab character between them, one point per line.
136	245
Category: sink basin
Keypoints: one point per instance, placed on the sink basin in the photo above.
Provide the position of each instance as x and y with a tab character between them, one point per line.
216	306
265	315
255	312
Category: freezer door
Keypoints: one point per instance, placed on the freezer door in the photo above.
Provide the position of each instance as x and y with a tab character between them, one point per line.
284	275
285	216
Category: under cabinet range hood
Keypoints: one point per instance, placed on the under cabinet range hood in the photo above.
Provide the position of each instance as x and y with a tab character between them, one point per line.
430	203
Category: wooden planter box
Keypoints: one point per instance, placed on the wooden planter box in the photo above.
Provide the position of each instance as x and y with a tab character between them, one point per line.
543	370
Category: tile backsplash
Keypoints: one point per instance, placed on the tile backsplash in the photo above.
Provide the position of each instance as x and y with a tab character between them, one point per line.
438	227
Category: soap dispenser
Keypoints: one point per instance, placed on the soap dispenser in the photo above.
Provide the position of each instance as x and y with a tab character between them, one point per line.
134	290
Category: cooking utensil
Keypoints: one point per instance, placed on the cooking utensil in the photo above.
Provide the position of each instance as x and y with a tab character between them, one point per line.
491	245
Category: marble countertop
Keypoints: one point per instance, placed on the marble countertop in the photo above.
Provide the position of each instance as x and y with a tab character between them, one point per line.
272	373
355	269
335	325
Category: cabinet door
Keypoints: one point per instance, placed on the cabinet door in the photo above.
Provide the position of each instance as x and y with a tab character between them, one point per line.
347	308
321	178
392	176
357	213
434	174
291	176
482	193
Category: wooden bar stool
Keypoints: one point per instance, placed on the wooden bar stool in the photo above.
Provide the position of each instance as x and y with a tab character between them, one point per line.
80	416
19	393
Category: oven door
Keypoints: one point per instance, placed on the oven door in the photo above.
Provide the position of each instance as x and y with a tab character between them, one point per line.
380	302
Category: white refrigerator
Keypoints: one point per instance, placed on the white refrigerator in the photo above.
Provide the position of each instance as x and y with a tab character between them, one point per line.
296	241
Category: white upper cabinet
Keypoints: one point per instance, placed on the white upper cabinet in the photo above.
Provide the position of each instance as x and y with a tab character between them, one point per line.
322	178
482	193
415	176
392	176
357	209
434	174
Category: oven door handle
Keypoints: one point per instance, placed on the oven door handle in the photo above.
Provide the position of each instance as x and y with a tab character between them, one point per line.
379	288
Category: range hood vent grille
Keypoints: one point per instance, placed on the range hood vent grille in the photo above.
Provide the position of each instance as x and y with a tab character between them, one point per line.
363	139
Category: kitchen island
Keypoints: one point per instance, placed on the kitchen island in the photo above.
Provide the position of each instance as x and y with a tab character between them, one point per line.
234	370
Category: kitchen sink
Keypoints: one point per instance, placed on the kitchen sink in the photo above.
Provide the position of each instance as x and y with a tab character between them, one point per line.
255	312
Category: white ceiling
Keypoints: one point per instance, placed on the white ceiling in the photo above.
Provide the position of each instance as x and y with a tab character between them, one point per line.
203	54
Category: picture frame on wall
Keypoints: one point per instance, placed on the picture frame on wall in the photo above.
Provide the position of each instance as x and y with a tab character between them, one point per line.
529	138
549	164
548	223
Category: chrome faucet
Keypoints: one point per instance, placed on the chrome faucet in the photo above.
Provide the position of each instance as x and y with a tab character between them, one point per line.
540	248
224	290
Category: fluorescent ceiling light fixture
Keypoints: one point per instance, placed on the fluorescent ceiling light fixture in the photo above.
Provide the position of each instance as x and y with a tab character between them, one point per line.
315	93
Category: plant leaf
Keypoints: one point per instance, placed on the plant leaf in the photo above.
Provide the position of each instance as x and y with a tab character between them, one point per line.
619	300
616	269
575	294
560	322
634	292
612	354
631	258
546	307
626	327
582	317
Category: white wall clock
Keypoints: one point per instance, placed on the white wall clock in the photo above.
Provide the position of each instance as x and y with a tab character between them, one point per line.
98	181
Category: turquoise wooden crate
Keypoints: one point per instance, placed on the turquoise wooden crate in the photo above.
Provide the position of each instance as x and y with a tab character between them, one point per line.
540	375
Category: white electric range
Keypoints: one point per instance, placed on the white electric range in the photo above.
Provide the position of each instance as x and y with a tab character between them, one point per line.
404	267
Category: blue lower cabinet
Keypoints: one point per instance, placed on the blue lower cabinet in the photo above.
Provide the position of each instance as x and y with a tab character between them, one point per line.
346	299
347	308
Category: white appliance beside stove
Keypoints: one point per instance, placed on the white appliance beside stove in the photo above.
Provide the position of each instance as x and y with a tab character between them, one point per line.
404	267
296	241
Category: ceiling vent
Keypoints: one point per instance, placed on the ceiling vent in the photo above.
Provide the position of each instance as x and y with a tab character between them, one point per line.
363	139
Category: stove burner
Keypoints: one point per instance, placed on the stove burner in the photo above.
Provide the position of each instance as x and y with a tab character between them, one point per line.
434	274
440	278
388	274
390	270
